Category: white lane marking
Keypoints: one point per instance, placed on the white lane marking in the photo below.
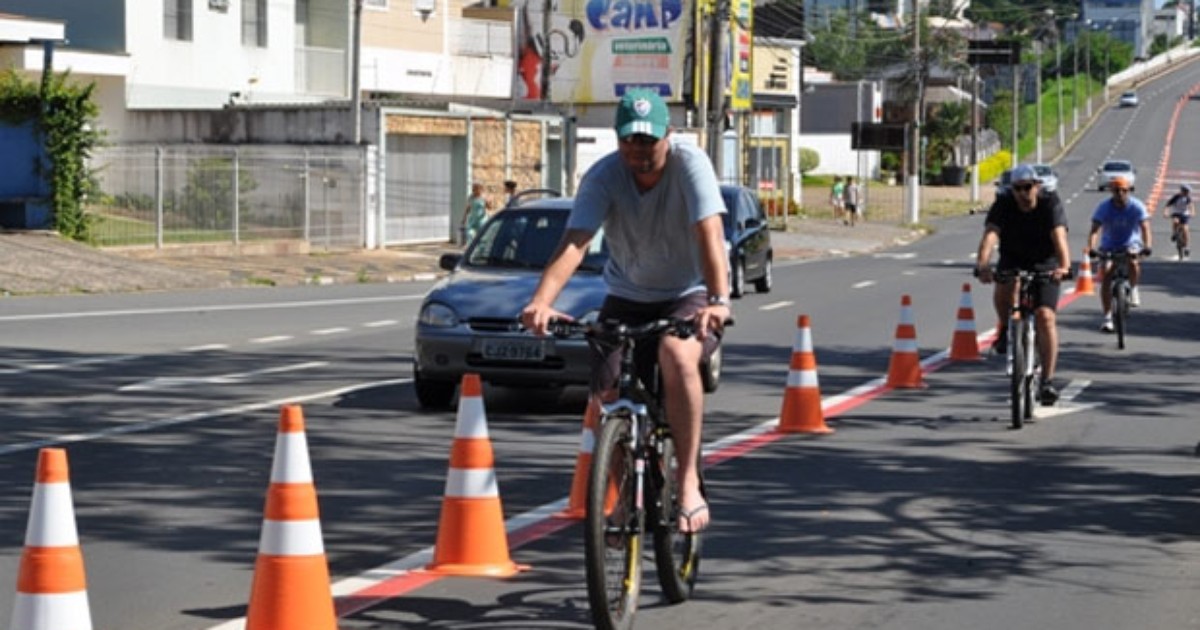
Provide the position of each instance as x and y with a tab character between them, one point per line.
774	306
65	365
167	382
896	255
139	427
382	322
862	285
207	347
209	308
331	331
271	339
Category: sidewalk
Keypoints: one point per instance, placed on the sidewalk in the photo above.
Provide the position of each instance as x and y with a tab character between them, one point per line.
41	263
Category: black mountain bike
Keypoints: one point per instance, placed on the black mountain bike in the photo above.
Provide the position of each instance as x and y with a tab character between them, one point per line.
1122	289
632	488
1023	361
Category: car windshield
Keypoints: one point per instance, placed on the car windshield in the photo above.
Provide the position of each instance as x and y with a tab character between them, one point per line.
1043	170
1117	167
525	239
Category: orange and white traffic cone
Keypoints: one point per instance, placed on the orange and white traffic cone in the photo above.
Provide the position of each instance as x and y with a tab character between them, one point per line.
904	368
471	537
291	576
802	411
1084	284
51	587
576	503
964	345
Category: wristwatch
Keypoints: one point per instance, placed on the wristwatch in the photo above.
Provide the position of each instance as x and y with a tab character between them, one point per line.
718	300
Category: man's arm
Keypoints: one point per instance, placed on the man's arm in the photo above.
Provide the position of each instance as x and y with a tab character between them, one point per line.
1094	236
566	259
991	236
1146	233
1061	252
714	263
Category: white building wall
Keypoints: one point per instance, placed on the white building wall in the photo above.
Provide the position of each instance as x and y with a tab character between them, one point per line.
837	158
203	72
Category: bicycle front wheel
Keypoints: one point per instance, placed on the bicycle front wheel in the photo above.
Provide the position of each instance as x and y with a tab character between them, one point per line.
676	553
1120	312
1018	384
1032	366
613	527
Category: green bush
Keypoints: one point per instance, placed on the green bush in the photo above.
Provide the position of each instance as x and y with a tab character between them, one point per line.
809	159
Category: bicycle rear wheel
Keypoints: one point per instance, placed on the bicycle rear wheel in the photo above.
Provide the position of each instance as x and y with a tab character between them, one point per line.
1018	383
1120	311
676	554
613	527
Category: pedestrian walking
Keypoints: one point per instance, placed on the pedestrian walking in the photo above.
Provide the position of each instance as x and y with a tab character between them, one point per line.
851	198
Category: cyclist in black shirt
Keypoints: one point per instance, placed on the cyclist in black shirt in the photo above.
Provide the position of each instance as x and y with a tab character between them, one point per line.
1030	226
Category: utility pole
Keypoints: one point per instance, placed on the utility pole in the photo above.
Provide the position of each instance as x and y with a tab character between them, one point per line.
1087	62
1037	48
718	25
1062	120
912	187
974	134
547	7
355	72
1016	108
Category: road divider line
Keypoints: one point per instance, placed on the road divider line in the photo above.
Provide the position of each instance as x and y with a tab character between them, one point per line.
150	425
774	306
167	382
209	308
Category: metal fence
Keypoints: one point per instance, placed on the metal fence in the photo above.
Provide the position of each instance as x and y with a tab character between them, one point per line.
156	195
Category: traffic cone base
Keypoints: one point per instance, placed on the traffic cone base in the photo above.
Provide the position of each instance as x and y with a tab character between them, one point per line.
802	411
278	603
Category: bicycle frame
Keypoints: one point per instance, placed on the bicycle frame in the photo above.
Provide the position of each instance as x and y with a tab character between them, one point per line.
634	441
1023	353
1121	288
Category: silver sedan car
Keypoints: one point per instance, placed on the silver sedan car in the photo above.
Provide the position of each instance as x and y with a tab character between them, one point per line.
469	321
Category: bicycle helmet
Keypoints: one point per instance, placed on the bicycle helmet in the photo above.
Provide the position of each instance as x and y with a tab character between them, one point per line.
1185	188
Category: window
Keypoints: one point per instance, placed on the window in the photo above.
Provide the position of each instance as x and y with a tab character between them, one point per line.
177	20
254	23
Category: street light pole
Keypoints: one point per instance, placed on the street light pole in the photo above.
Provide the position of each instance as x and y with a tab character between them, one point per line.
1107	51
1037	48
1087	62
1075	82
1058	75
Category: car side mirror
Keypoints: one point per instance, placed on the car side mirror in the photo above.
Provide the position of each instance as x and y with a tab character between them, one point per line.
752	223
449	261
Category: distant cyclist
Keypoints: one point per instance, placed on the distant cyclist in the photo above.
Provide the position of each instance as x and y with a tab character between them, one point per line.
1180	208
1120	223
1031	227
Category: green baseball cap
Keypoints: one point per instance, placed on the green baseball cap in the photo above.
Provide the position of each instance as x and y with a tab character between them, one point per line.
642	111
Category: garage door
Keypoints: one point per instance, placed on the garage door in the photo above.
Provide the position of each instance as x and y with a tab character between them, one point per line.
417	196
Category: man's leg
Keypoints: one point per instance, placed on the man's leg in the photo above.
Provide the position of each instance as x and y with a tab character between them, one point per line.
679	360
1047	330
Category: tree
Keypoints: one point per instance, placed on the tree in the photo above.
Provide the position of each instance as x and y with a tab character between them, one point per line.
942	129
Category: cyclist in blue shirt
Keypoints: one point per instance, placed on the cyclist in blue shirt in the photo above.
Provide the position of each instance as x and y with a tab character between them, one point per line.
1030	227
1120	223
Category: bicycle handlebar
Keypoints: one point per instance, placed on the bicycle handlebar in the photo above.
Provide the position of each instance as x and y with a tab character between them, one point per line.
1118	254
1023	274
682	328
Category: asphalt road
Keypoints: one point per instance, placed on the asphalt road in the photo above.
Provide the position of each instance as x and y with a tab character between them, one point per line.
923	510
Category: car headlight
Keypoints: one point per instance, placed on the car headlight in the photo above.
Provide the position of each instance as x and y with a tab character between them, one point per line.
438	315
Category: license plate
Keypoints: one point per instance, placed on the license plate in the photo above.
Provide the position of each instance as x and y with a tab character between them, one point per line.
512	349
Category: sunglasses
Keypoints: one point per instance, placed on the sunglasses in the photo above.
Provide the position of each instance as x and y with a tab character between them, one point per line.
1022	187
640	140
1120	190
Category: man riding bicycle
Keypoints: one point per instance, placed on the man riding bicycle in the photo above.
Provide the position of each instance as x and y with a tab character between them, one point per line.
1031	227
660	205
1180	208
1120	223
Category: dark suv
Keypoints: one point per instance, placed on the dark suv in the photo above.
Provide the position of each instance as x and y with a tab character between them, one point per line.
749	239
